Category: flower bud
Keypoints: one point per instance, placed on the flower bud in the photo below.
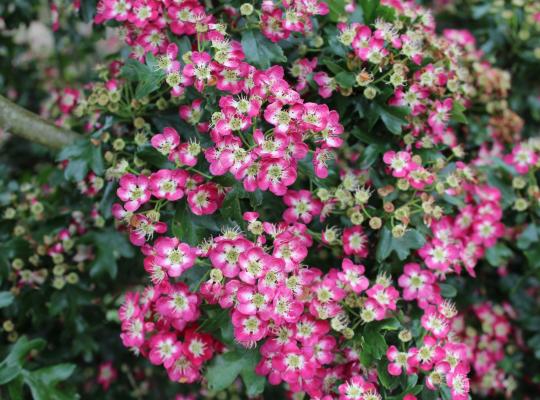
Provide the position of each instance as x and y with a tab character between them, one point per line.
139	123
347	333
216	275
59	283
119	144
403	184
518	182
521	204
405	335
398	231
8	325
58	258
10	213
246	9
17	264
370	92
375	223
356	217
72	278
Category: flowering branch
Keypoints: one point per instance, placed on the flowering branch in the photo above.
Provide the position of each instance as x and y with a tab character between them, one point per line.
28	125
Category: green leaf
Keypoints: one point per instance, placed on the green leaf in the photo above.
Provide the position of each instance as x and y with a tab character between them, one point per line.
384	245
369	8
448	290
54	374
88	10
8	373
20	350
457	114
345	79
373	342
230	208
82	155
370	155
259	51
147	76
411	240
184	227
41	390
527	237
253	382
394	118
337	9
15	388
76	170
6	298
224	370
384	377
508	195
499	254
111	245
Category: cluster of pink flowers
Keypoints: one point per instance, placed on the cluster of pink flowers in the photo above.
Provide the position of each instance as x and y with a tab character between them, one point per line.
462	240
300	317
486	347
167	185
403	166
160	325
271	299
279	21
282	124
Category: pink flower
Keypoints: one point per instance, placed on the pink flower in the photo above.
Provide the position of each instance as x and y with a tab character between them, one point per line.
107	374
225	256
438	119
166	142
134	190
276	175
248	329
179	303
143	228
399	163
458	382
204	199
416	283
164	349
355	388
398	361
174	256
198	347
353	276
168	184
522	158
355	241
302	206
294	363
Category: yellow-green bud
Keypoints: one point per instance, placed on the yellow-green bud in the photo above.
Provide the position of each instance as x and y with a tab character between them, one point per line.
398	231
119	144
17	264
72	278
375	223
370	92
521	204
8	325
405	335
10	213
518	182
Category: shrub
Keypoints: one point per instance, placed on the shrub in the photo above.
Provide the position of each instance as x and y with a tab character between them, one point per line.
329	198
